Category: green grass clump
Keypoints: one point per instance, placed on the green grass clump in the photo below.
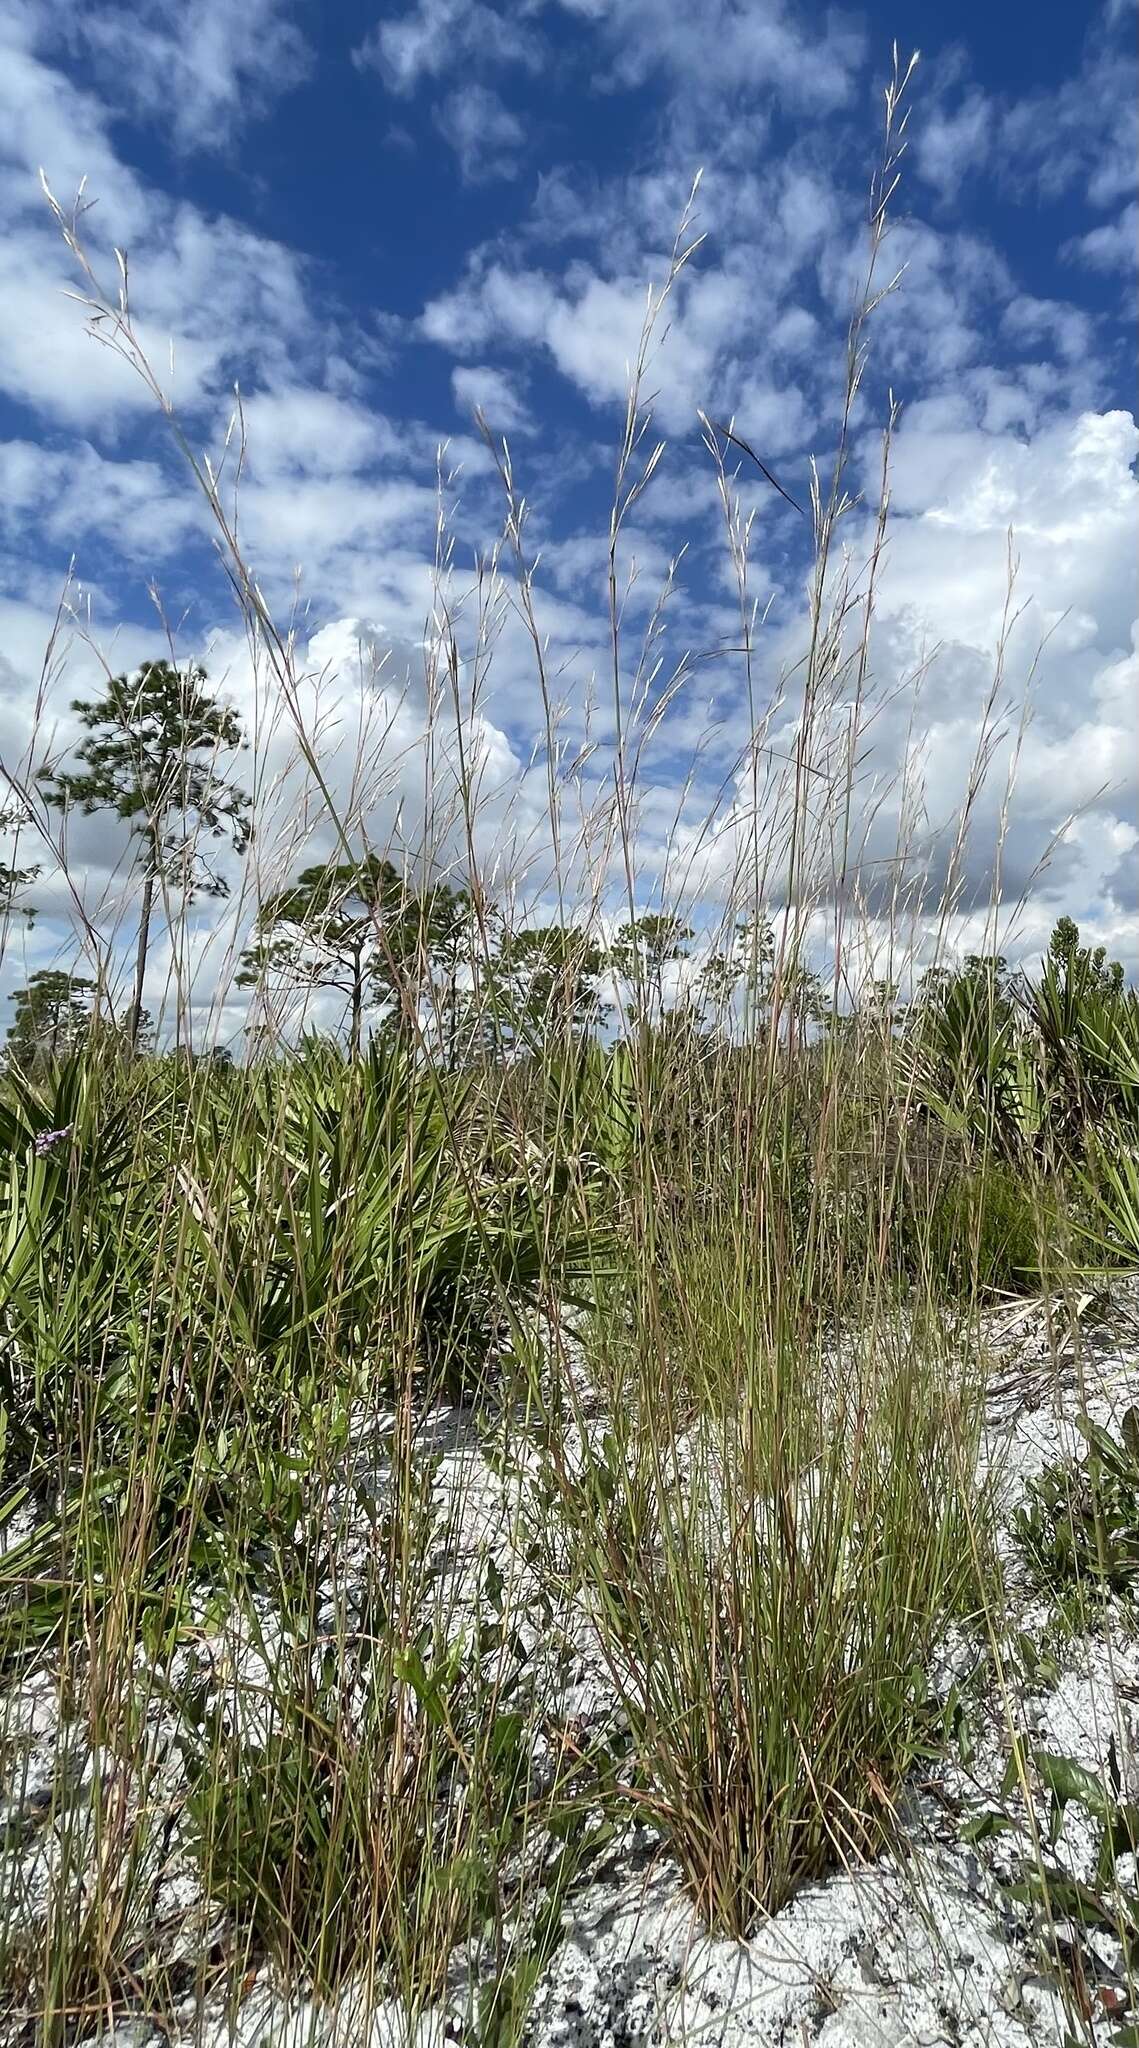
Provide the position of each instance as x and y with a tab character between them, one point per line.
757	1580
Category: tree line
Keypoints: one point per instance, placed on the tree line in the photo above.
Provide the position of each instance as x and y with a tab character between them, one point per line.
160	754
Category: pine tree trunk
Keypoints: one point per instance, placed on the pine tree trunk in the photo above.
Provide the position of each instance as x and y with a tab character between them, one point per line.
357	1025
144	917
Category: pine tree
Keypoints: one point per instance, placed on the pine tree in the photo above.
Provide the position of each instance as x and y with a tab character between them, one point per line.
642	950
341	926
52	1016
14	881
547	980
151	758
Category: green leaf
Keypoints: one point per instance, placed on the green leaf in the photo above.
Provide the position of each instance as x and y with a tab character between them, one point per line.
1066	1779
1105	1447
1053	1891
1016	1769
984	1826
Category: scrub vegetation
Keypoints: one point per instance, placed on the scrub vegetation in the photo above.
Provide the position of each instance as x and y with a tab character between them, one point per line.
685	1208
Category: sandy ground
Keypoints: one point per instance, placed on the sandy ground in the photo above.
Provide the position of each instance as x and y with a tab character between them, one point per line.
924	1950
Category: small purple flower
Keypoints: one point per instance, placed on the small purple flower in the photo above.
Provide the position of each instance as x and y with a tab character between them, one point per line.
46	1139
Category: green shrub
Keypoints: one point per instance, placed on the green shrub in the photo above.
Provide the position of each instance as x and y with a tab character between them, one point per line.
988	1231
1109	1189
1080	1525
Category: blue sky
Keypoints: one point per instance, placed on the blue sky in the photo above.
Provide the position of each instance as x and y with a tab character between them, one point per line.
374	221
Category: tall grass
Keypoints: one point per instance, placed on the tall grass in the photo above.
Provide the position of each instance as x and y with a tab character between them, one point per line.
701	1302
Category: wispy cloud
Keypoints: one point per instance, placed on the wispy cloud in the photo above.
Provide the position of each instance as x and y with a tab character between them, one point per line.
479	386
1114	246
438	37
724	48
199	69
486	137
1042	143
